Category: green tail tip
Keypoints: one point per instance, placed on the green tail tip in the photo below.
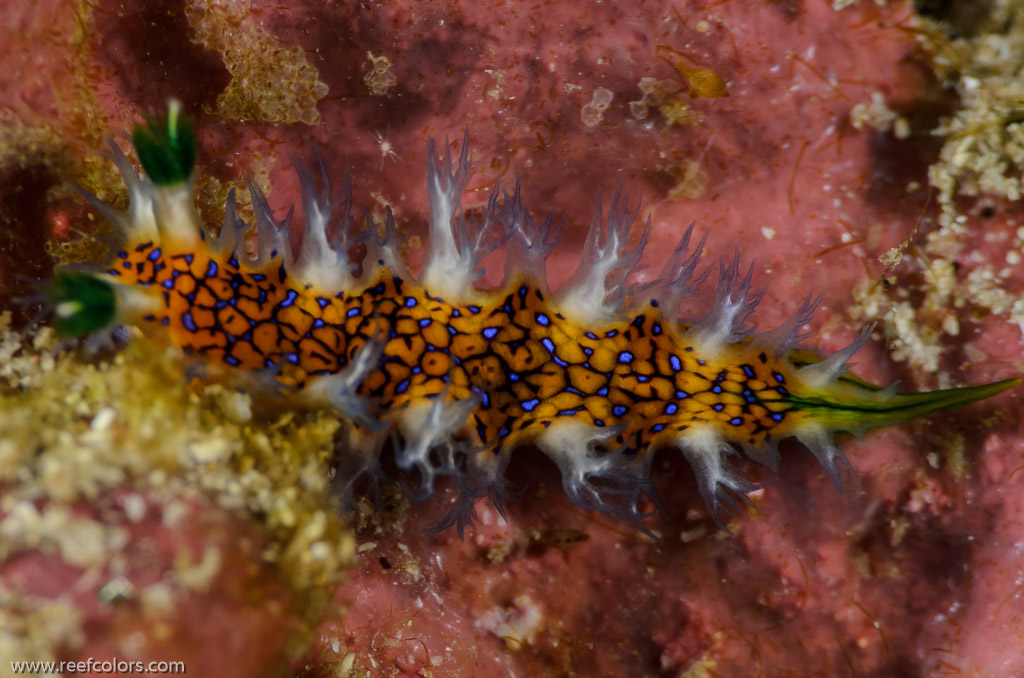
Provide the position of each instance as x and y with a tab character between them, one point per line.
862	407
82	303
166	146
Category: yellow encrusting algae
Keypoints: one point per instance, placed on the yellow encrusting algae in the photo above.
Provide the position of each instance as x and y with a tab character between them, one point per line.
74	431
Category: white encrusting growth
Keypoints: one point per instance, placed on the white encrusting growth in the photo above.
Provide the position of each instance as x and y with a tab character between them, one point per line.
597	291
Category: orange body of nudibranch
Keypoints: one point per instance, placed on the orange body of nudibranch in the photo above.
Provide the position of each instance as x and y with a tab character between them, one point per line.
598	375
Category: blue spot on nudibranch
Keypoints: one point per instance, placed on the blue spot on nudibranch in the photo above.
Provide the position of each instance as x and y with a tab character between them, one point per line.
548	344
603	391
625	356
318	323
154	255
618	410
778	377
748	370
671	408
489	332
716	389
322	302
675	363
232	360
189	322
474	309
352	312
126	265
122	254
403	386
543	320
410	302
718	407
513	376
425	322
777	416
590	335
293	358
735	421
168	284
658	427
528	405
290	299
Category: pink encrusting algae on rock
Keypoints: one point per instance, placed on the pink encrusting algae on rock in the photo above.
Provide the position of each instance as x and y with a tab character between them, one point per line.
815	202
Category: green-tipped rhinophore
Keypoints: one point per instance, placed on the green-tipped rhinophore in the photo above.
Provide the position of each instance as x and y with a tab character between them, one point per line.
82	303
166	146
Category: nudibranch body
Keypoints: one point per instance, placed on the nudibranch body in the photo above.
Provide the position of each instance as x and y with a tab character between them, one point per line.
598	375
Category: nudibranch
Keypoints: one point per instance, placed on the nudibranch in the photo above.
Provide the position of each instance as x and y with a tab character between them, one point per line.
598	375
